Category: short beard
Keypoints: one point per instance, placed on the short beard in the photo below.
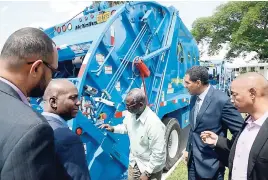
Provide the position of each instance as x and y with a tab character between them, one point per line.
39	89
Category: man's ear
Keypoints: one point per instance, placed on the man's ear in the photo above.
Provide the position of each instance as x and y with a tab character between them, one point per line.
35	68
53	102
141	104
199	83
253	93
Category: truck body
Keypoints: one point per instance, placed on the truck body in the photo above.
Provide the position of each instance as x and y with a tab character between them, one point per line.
110	50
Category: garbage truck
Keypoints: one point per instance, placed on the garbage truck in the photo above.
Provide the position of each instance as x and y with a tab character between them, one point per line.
106	51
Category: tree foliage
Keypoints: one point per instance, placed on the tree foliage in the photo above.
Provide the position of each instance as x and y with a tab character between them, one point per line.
243	25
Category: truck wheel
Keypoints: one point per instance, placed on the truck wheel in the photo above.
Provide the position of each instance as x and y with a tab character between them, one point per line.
172	137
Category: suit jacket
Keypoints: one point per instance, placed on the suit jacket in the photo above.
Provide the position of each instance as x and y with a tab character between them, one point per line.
26	140
216	114
258	156
70	150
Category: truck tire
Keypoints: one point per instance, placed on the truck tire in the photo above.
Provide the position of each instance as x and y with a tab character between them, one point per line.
172	137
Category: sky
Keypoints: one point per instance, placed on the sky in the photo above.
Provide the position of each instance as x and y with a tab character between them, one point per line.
18	14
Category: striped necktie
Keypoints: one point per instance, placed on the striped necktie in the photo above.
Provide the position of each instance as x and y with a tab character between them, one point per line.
196	109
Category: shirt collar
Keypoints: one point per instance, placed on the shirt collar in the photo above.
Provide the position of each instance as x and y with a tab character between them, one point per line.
143	116
20	93
56	117
258	122
203	94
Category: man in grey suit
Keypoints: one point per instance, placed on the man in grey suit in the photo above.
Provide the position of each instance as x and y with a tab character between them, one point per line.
210	109
27	61
62	104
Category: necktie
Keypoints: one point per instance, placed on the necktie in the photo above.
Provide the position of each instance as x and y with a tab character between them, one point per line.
196	108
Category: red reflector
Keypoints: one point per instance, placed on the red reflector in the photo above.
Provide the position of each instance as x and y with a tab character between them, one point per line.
162	104
59	30
113	11
82	69
64	28
118	114
79	131
103	116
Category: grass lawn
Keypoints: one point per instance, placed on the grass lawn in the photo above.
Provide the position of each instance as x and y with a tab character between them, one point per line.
180	173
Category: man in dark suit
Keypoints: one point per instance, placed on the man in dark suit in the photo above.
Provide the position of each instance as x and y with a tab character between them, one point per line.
27	62
210	109
248	153
61	105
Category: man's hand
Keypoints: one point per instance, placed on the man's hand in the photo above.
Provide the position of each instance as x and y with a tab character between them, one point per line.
107	127
185	156
209	137
144	177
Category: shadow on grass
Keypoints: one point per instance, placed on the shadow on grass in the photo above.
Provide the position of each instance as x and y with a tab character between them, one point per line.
180	173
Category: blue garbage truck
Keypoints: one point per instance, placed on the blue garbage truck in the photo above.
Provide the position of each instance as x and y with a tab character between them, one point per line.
106	51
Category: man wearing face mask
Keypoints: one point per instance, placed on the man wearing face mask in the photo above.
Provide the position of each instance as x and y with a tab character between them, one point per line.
147	138
62	104
27	61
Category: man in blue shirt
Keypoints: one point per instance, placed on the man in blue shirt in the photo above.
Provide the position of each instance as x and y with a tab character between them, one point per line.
61	105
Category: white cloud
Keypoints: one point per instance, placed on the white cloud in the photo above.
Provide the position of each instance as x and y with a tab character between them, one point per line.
241	59
69	7
3	9
204	49
61	6
43	25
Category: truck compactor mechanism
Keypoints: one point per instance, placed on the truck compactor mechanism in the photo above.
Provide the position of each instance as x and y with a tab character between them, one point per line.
108	51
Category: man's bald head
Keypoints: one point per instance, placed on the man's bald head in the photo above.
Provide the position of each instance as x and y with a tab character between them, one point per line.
247	89
252	80
136	101
137	95
61	98
58	87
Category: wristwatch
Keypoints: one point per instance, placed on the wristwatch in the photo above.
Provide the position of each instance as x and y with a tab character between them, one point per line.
147	174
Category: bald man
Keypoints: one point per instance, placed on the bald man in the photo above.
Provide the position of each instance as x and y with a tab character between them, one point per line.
147	138
248	153
61	105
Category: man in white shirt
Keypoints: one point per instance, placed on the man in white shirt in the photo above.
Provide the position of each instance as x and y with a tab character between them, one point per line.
147	138
248	153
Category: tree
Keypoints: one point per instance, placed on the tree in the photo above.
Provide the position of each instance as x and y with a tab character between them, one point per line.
242	25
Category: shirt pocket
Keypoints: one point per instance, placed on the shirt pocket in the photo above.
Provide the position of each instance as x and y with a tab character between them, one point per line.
144	140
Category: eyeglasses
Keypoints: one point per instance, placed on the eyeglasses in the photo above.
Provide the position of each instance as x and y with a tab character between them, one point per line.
130	106
54	71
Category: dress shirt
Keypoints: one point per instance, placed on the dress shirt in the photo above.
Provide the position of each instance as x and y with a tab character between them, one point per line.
243	147
147	140
60	119
202	96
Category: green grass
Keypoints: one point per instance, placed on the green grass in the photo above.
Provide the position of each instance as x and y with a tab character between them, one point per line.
181	173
